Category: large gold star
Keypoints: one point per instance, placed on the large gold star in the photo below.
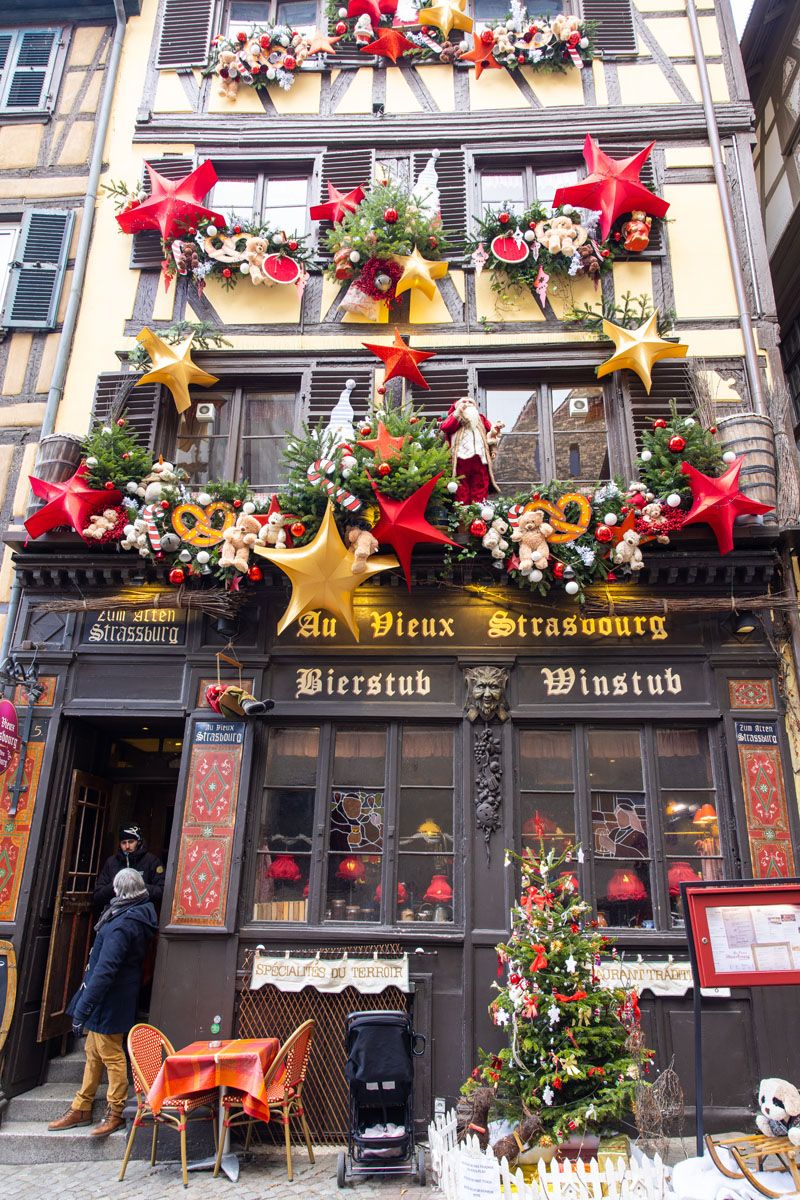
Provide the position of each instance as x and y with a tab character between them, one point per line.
321	574
418	272
450	15
172	366
638	350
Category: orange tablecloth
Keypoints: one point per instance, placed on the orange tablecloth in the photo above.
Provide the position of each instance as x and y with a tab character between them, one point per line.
238	1064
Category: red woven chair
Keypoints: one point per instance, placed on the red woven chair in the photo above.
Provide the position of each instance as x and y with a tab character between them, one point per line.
283	1083
147	1049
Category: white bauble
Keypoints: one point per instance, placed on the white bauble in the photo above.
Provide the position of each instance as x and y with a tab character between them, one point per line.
91	462
536	576
646	455
277	239
203	557
689	421
529	235
452	487
673	500
211	230
203	498
152	492
729	456
571	588
610	518
106	429
355	256
248	507
132	487
346	473
244	268
487	513
348	462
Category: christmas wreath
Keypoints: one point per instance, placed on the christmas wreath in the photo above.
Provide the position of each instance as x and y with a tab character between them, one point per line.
267	54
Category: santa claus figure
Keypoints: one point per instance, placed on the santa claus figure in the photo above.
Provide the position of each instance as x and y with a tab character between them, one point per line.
473	444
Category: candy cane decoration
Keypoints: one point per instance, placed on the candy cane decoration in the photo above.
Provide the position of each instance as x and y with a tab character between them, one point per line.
576	58
152	530
316	477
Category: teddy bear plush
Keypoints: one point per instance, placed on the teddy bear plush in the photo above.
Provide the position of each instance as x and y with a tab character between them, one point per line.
564	27
363	545
272	532
493	540
531	534
228	72
255	251
102	525
162	475
136	537
561	235
779	1102
627	552
237	542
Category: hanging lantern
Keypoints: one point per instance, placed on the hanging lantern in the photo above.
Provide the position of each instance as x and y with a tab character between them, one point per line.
625	885
402	893
284	868
439	890
351	869
680	872
705	815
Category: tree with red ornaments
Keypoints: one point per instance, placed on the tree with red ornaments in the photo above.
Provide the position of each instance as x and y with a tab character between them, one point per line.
673	440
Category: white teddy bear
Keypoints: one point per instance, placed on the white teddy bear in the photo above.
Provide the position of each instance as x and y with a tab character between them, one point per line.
273	532
163	473
493	539
779	1102
101	523
136	537
627	552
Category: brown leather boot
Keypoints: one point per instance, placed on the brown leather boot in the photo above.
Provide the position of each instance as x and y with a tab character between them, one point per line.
71	1118
110	1122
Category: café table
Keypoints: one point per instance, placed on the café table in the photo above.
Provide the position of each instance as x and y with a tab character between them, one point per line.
239	1064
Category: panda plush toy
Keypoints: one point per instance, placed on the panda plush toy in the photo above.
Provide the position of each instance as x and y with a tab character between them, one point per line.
779	1102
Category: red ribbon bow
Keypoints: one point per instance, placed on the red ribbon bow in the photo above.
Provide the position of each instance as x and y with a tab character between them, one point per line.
541	960
569	999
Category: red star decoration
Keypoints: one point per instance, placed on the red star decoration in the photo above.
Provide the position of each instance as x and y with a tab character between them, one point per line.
338	205
612	187
369	8
718	502
389	43
402	524
384	446
401	361
69	503
482	55
173	205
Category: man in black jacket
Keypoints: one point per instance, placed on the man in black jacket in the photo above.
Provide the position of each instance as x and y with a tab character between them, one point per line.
133	853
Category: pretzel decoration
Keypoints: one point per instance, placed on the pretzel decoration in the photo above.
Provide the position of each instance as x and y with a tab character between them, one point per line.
563	529
316	477
202	531
227	252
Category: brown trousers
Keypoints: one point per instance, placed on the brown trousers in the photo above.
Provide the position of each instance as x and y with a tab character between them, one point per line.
103	1050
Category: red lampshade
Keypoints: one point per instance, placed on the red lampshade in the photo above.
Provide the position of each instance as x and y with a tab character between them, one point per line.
539	826
285	868
351	869
625	885
402	894
439	890
680	872
705	815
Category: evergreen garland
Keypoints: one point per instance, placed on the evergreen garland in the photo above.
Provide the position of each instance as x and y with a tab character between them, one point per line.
660	468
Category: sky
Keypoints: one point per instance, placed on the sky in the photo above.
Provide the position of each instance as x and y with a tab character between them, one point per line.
741	10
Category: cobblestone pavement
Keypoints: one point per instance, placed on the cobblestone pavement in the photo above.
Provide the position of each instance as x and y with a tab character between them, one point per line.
264	1179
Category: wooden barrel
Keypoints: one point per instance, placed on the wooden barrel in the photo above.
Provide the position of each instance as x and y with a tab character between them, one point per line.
750	436
57	459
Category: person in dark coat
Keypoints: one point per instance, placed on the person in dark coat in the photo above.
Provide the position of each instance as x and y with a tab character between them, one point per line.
132	852
105	1004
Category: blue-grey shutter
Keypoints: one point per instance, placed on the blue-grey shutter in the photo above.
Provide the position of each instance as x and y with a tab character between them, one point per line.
615	32
29	70
446	385
115	396
346	170
185	33
37	274
146	252
327	384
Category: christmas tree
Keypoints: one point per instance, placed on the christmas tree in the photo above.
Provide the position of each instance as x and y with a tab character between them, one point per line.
670	443
113	455
574	1057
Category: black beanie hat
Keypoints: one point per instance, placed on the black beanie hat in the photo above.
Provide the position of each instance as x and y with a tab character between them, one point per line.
130	831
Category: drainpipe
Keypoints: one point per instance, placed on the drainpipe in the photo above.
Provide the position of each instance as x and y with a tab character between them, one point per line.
78	275
720	175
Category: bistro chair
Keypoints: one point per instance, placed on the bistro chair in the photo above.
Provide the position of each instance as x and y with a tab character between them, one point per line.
283	1084
147	1049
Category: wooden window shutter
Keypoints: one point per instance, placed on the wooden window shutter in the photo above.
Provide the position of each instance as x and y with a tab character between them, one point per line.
185	33
446	385
116	396
615	32
37	275
345	169
327	383
146	253
671	381
29	69
450	167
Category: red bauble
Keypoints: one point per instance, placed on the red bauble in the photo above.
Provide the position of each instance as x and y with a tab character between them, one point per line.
364	430
120	421
677	444
660	423
384	469
503	218
558	570
165	504
390	216
255	574
712	429
226	272
237	229
241	36
341	28
237	504
292	244
433	242
177	575
381	391
521	58
478	528
487	37
109	485
289	62
603	533
298	529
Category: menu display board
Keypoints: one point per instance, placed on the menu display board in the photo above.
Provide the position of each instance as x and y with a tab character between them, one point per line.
746	936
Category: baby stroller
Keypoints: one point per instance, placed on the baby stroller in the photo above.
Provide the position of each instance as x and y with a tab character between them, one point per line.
381	1047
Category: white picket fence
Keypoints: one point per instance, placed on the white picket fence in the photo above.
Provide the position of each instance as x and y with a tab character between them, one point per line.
465	1172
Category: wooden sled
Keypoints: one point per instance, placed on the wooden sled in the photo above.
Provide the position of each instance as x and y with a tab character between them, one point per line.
749	1153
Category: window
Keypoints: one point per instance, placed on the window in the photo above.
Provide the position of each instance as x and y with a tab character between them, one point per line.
247	15
276	202
35	274
643	806
244	437
342	796
552	431
497	10
8	241
518	185
27	60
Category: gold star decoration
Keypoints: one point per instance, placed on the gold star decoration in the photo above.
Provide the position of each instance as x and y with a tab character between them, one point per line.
321	574
449	15
638	350
321	43
418	272
173	366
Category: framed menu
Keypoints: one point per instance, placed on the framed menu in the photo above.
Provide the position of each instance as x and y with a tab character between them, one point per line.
745	935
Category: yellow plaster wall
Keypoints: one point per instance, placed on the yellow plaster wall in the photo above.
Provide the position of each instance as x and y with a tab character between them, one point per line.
673	35
494	90
687	156
358	97
250	305
645	82
600	89
633	277
399	97
700	265
440	85
246	101
84	43
170	96
489	306
554	88
302	97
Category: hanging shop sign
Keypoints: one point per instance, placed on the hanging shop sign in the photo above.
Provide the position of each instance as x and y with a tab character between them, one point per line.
614	682
427	621
9	734
765	799
146	627
366	680
371	976
661	977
